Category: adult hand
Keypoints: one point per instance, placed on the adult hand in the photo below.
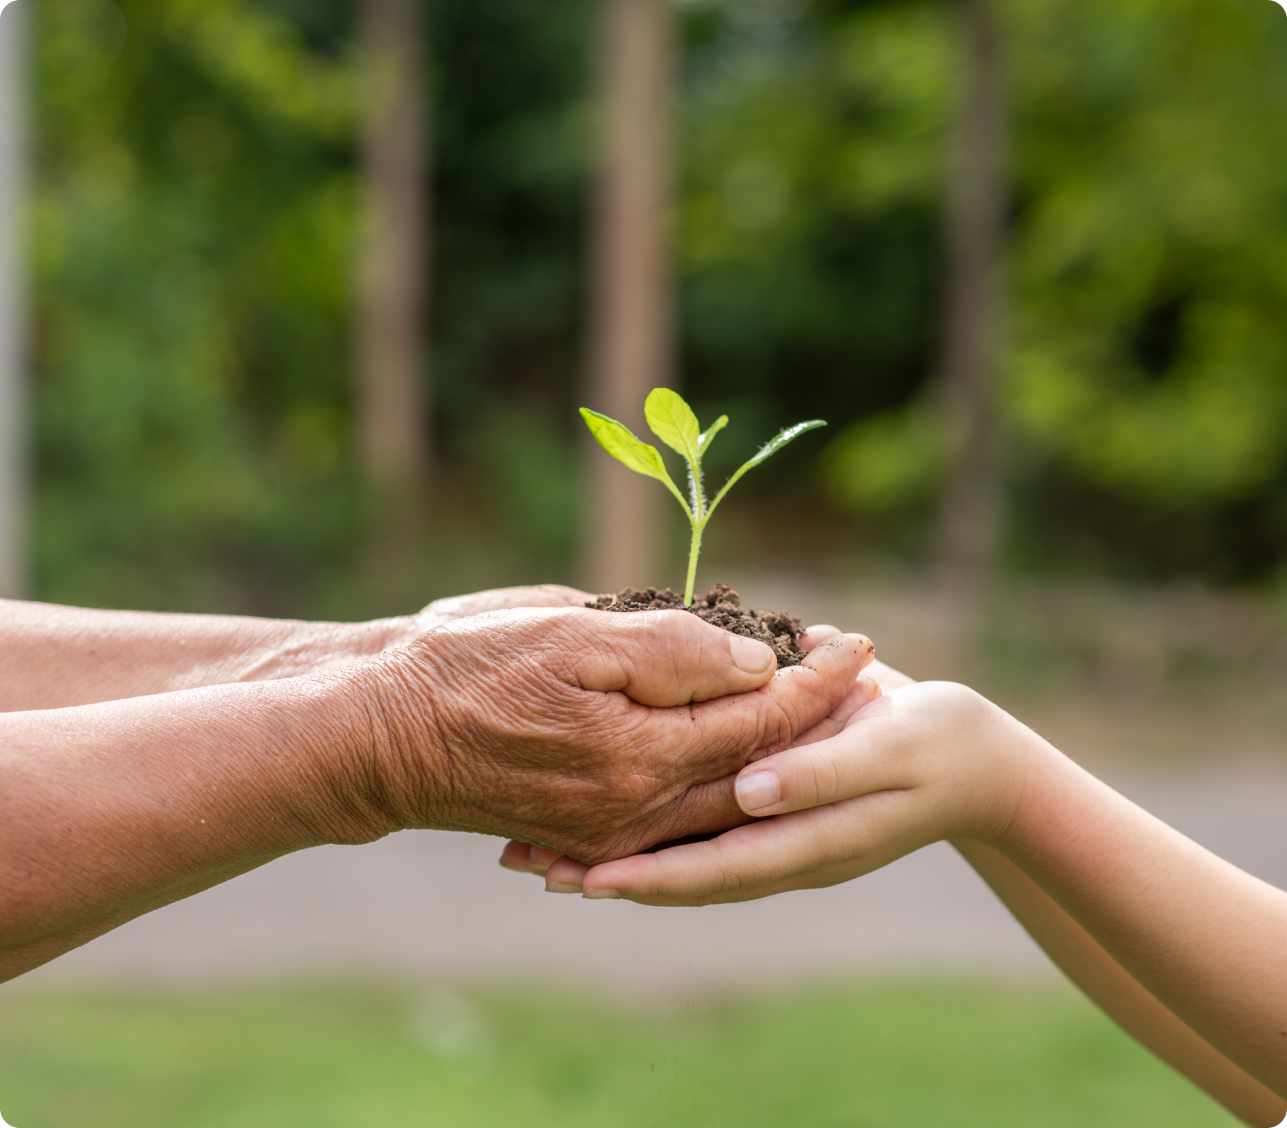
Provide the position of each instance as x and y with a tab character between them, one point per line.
597	734
589	733
563	874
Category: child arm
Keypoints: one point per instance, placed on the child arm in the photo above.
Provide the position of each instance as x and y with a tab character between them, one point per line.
1159	931
1108	985
1102	979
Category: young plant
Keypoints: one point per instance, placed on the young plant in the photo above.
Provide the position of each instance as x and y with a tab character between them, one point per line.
674	423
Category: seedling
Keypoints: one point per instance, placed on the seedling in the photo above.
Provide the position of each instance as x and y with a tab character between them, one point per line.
673	422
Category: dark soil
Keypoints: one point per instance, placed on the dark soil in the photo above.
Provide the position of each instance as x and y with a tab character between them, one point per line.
721	606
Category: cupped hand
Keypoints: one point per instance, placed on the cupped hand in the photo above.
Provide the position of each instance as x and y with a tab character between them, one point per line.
593	734
930	761
523	857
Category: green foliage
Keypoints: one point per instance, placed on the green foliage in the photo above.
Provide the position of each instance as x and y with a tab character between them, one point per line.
1145	396
193	231
1151	268
673	421
886	462
774	445
533	473
812	161
620	442
194	224
949	1054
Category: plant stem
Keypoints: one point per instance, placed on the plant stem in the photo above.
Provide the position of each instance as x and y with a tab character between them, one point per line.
693	553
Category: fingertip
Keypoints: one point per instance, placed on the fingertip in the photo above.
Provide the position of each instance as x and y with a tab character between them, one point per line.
517	857
840	650
623	878
816	634
541	858
758	790
668	658
868	651
751	656
565	875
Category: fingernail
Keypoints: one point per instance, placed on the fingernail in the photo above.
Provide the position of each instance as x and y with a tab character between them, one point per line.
750	655
561	887
757	791
542	858
601	895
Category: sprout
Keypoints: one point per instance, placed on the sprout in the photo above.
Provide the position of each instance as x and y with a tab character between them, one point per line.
674	423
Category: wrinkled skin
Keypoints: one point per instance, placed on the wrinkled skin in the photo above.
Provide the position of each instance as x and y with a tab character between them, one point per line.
215	744
564	873
594	735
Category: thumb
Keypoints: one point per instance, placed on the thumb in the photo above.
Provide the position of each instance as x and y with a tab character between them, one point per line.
666	658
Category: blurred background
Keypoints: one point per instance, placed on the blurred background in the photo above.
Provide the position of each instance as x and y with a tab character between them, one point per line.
297	304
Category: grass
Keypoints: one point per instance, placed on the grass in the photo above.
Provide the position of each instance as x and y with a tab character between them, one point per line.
934	1055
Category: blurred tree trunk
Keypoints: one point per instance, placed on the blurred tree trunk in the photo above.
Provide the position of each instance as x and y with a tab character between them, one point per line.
13	336
631	330
392	401
977	202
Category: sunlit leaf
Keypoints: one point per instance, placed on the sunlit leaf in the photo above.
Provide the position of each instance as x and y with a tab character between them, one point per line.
620	442
886	462
674	423
780	440
769	449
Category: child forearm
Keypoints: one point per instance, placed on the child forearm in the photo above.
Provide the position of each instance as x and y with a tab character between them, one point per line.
1206	939
933	761
1106	983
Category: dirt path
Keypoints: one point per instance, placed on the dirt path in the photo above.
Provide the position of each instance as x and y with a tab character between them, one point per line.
436	904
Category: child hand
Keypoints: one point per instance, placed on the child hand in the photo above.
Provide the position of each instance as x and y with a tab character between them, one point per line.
931	761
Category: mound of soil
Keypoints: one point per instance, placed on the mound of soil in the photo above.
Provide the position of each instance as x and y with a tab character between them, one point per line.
721	606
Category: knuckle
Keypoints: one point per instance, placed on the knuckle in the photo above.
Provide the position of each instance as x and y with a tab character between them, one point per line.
728	878
777	726
822	780
965	703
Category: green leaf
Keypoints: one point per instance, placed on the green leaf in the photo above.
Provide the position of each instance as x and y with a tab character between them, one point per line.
674	423
704	440
769	449
780	440
620	442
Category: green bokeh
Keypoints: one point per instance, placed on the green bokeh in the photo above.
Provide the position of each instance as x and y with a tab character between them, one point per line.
195	220
940	1054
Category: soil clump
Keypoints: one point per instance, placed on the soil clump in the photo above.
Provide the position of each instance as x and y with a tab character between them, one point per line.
722	607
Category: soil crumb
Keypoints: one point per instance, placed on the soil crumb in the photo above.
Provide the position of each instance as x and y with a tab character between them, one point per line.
721	606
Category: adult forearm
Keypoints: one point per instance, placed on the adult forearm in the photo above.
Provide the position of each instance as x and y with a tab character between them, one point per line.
597	735
108	811
1118	994
1203	937
17	960
55	657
